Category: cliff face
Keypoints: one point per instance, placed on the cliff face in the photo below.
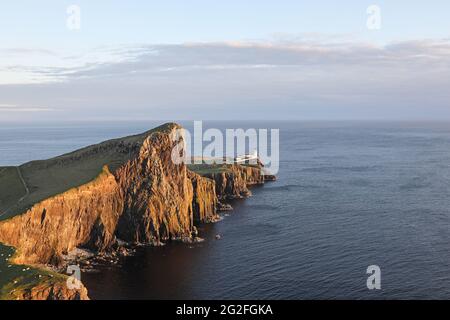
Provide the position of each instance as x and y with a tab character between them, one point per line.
234	182
204	202
85	215
44	291
157	194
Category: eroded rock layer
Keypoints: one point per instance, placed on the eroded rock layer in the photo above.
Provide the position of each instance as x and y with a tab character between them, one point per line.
236	180
157	194
86	215
204	201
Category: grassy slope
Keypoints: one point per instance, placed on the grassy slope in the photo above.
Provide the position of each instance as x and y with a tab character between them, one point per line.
11	188
17	277
205	169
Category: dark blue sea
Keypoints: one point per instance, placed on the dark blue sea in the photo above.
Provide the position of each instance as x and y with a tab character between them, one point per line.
348	195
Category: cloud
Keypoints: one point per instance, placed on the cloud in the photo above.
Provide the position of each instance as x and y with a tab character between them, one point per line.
16	108
161	58
35	66
25	51
114	61
294	52
307	77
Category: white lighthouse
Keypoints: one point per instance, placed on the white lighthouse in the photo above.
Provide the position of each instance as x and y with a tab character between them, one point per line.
247	157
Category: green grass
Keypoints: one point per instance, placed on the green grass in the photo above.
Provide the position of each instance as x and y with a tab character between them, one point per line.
205	169
11	188
18	277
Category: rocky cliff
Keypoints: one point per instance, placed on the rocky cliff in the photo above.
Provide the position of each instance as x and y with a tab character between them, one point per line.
204	201
86	215
48	291
234	180
145	199
157	193
148	199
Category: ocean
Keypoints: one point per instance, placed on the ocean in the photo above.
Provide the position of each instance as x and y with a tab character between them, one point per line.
348	195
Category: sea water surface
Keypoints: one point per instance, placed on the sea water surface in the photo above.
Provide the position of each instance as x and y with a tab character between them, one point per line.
349	195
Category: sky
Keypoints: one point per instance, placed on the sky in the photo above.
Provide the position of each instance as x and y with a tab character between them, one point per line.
202	60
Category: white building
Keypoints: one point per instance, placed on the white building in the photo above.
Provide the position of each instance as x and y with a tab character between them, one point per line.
247	157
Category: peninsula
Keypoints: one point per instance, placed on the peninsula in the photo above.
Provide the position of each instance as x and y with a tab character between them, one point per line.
104	199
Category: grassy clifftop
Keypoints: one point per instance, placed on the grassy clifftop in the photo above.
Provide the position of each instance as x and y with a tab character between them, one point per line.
205	169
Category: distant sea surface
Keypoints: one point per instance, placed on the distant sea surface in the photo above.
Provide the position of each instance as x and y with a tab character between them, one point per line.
348	195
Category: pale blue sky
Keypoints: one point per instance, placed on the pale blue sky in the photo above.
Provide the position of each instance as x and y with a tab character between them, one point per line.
42	23
188	59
